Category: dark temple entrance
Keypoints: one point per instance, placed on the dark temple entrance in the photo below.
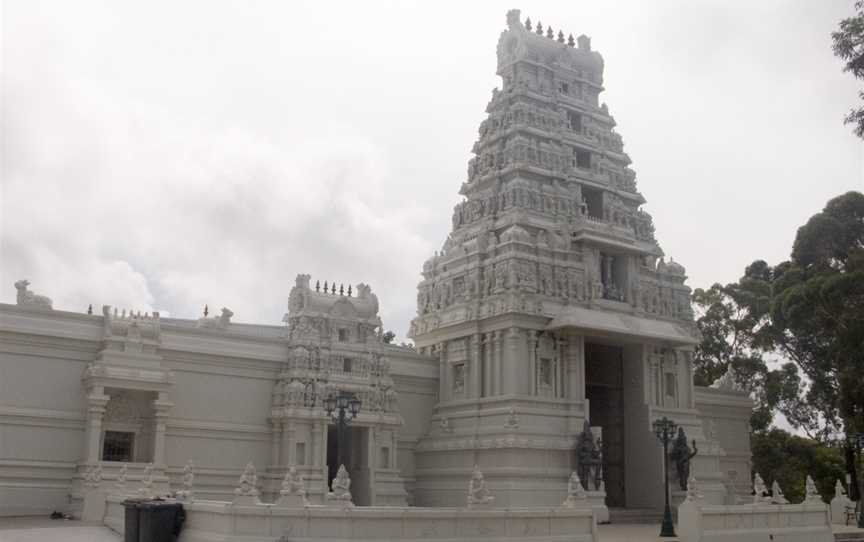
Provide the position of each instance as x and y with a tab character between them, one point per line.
356	442
604	380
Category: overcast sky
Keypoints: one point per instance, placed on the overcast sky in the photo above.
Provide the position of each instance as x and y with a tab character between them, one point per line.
164	155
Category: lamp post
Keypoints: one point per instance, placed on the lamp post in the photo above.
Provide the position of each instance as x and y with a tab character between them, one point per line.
339	407
856	442
664	429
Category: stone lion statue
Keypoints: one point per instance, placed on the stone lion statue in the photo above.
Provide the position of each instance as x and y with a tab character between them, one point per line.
27	298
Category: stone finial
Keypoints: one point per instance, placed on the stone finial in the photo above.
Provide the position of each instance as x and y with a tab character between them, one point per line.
758	489
146	489
539	28
349	290
570	41
811	494
550	33
478	494
575	492
777	496
206	310
342	289
248	483
325	286
693	493
341	485
121	477
560	37
584	42
528	24
26	298
90	308
317	285
187	493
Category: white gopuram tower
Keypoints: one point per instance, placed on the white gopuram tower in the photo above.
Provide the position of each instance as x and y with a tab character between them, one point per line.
550	302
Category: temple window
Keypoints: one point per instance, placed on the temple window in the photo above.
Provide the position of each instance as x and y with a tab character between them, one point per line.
118	446
300	453
583	159
594	201
343	335
347	365
564	88
459	378
384	458
575	121
545	372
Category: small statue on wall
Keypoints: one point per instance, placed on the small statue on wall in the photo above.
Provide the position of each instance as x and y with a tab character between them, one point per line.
478	494
681	454
575	491
26	297
341	485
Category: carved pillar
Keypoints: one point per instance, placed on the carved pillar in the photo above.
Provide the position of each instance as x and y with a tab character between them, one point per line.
576	362
96	401
316	446
499	365
532	361
288	448
443	381
275	434
513	337
487	364
476	369
161	406
559	367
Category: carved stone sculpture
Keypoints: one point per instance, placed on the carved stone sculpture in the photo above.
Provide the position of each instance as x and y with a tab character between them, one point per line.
575	492
26	298
293	492
341	485
681	454
93	475
247	487
512	419
777	496
217	322
759	490
477	492
811	493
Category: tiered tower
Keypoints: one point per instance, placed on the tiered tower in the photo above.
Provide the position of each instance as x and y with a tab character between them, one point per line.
550	293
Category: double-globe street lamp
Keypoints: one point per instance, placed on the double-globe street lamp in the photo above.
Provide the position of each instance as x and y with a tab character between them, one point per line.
339	407
856	442
665	429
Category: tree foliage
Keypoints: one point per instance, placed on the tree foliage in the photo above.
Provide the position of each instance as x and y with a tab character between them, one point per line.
788	459
848	45
808	310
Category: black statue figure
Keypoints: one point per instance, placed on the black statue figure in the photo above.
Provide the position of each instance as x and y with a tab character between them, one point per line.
681	455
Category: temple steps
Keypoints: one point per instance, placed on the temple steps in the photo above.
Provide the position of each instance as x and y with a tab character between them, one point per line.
848	536
634	515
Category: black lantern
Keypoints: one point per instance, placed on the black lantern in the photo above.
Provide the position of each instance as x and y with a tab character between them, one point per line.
665	429
330	404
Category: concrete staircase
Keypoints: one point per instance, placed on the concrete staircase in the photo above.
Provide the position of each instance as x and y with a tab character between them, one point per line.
848	536
629	516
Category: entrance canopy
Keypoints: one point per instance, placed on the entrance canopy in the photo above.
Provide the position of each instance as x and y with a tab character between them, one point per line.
632	327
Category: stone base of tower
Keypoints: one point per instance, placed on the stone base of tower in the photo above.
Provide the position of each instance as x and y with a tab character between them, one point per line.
523	445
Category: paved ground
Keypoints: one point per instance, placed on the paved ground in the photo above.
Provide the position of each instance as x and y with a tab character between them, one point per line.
58	530
47	530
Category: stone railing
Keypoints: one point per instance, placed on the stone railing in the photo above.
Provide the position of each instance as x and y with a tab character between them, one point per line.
805	522
216	520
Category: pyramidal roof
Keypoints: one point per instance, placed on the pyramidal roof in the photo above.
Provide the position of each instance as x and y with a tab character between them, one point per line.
551	215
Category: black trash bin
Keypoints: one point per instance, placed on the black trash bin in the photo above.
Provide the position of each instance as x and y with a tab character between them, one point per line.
160	521
130	526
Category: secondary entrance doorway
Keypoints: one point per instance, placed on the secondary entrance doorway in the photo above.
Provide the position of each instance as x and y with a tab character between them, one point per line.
357	443
604	383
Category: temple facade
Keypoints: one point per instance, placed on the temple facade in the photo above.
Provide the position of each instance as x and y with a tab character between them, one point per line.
550	333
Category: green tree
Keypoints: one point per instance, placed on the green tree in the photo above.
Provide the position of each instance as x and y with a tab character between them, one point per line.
848	45
388	337
788	459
